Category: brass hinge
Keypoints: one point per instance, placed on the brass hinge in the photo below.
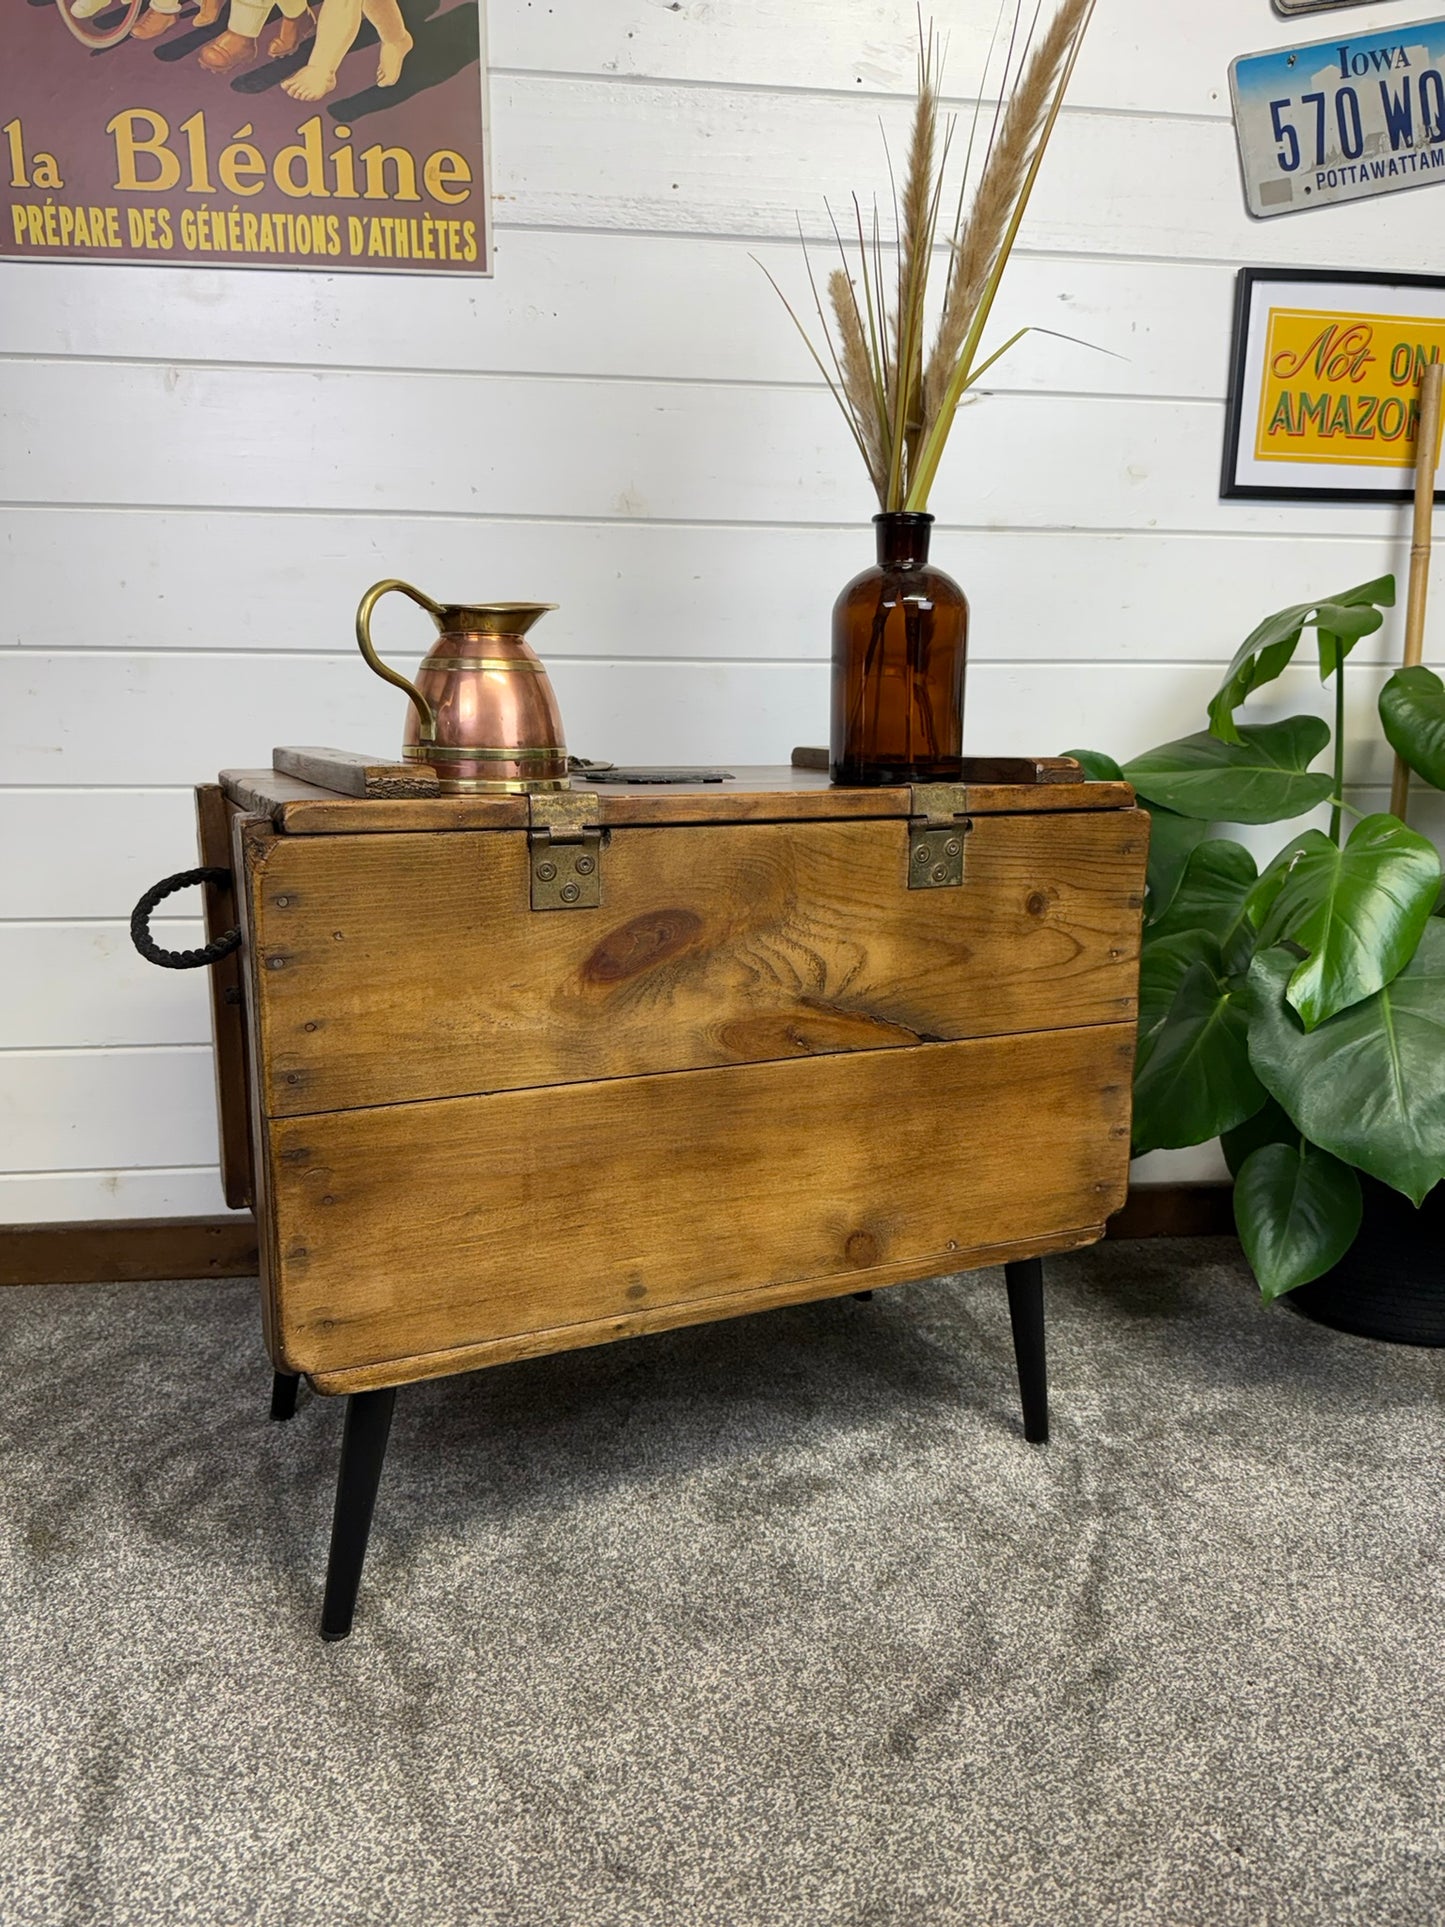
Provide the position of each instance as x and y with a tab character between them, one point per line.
937	829
564	848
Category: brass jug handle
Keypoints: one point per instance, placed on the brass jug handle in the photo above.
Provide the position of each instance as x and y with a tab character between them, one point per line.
363	636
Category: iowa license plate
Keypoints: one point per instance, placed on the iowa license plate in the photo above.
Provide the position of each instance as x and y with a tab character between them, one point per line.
1341	119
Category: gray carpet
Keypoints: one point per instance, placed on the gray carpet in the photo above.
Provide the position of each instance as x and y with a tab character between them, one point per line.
777	1621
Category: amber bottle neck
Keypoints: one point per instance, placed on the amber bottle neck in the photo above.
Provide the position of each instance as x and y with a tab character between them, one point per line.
902	540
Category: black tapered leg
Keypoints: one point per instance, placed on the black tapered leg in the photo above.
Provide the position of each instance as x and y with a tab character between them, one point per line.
864	1295
363	1451
1025	1278
283	1395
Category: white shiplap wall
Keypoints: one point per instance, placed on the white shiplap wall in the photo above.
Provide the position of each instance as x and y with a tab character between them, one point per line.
201	469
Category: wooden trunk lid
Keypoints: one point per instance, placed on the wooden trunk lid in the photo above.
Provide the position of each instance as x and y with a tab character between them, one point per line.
390	969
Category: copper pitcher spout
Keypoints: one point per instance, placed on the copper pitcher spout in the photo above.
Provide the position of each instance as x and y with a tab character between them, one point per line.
483	712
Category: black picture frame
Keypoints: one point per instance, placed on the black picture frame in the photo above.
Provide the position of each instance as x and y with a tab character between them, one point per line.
1239	403
1304	9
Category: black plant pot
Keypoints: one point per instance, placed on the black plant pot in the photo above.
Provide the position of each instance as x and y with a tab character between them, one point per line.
1391	1283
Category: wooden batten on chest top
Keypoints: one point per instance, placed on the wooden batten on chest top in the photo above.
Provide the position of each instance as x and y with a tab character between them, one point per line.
781	1041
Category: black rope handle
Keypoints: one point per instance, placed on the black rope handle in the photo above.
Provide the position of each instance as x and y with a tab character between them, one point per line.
140	924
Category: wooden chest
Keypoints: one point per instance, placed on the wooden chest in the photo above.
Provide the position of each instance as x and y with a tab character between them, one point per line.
528	1074
761	1068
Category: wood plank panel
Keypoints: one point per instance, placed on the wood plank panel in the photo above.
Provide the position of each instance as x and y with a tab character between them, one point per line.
419	1228
111	845
303	583
706	1311
684	308
392	969
110	1111
724	160
1131	59
1026	588
236	707
275	438
84	984
112	1251
157	1191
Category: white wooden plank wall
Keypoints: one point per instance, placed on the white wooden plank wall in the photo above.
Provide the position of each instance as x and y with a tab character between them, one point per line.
201	469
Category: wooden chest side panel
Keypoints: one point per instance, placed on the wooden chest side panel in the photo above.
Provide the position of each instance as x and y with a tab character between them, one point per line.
214	818
401	968
419	1228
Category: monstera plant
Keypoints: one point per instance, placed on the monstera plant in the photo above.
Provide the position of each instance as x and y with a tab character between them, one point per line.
1297	1012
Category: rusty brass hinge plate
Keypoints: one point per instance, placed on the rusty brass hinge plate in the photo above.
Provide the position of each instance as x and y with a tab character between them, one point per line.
564	851
938	829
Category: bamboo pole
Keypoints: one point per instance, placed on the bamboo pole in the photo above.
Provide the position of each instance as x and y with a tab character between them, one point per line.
1426	461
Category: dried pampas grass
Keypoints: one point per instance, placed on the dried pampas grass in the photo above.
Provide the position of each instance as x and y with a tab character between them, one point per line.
898	401
856	369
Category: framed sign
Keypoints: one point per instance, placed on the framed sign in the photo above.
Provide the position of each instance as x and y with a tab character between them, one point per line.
1324	388
247	133
1341	119
1291	7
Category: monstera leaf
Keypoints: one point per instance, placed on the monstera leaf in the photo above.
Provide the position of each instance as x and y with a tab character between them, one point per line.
1338	630
1298	1212
1194	1078
1269	1125
1412	709
1340	621
1163	966
1173	839
1358	911
1259	779
1272	878
1368	1085
1212	895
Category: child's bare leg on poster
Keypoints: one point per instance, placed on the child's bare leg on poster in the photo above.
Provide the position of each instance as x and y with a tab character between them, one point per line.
339	24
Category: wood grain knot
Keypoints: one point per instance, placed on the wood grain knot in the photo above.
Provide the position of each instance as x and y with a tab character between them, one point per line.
641	944
811	1028
862	1249
1038	904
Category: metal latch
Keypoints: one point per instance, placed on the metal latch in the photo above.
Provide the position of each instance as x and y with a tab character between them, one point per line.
937	829
564	848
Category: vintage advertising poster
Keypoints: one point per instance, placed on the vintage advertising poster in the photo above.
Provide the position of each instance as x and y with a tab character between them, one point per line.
1341	119
348	134
1325	391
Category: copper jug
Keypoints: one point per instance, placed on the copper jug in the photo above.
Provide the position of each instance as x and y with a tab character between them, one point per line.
483	713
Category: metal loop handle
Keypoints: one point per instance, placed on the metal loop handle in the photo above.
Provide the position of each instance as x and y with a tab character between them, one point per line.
140	923
363	636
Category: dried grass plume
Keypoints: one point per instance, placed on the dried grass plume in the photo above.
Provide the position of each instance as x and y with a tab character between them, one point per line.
900	403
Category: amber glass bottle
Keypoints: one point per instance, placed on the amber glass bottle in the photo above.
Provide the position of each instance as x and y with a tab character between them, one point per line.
900	645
